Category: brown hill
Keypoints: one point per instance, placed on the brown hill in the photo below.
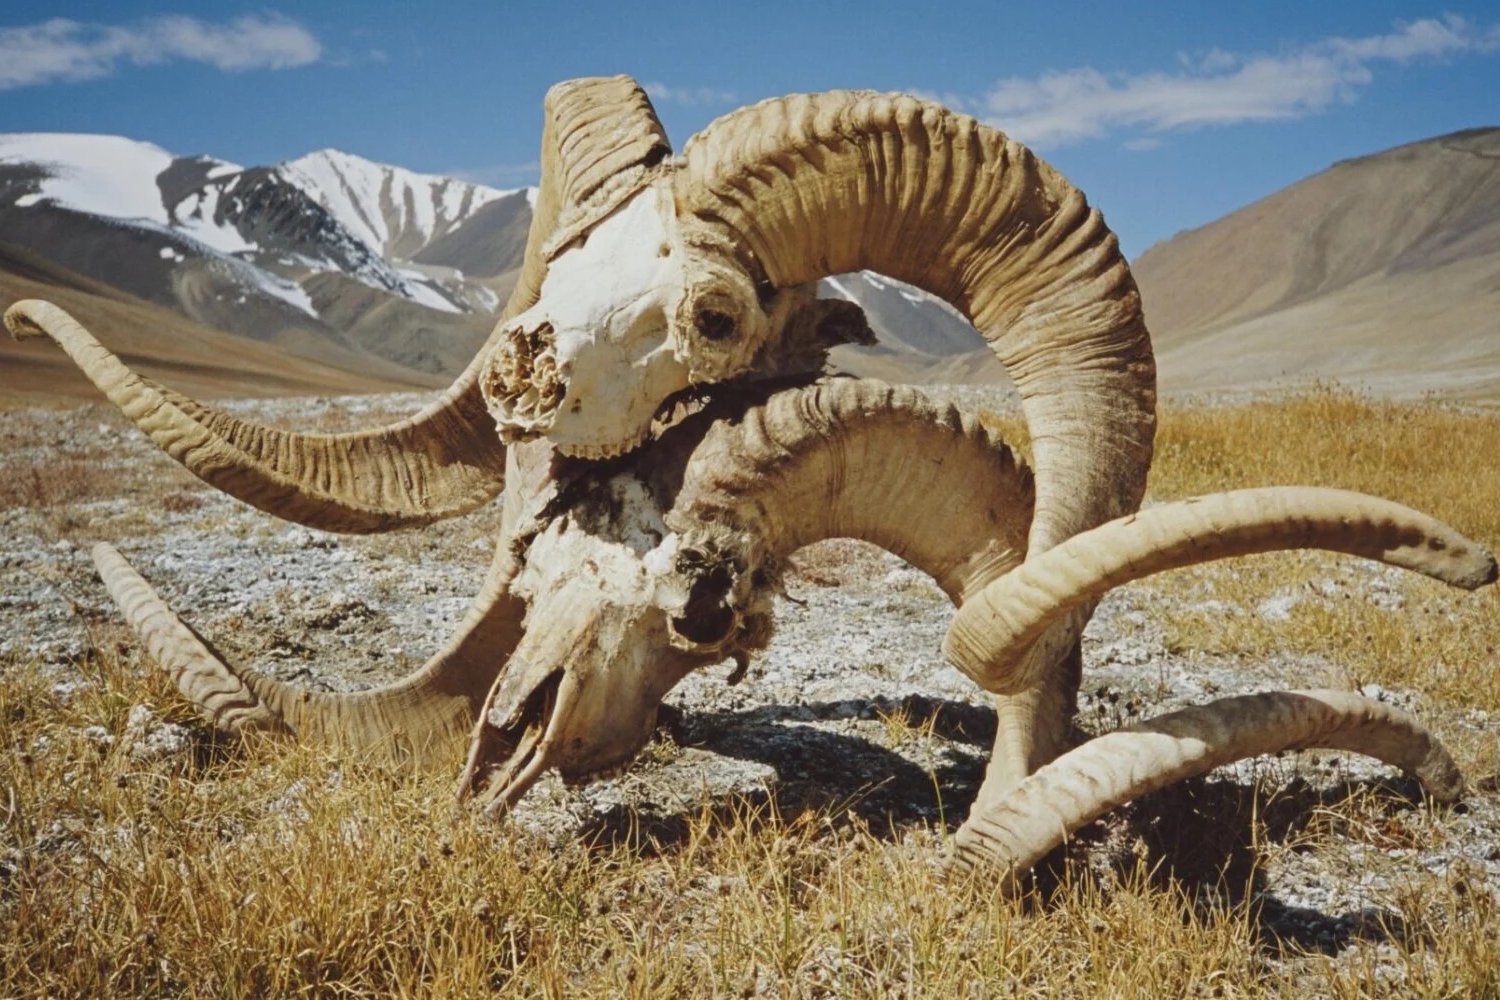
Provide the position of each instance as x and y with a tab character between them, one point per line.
1384	270
163	344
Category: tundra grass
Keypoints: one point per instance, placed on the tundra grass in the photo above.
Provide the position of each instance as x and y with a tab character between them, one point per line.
1370	625
269	870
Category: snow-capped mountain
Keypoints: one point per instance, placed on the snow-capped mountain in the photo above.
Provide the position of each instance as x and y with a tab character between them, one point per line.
926	324
329	247
395	210
328	211
372	256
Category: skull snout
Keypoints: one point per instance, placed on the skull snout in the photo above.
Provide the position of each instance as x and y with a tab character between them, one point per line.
523	384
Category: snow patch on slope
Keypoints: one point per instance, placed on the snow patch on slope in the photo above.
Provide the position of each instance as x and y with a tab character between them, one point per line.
420	292
106	175
380	203
838	287
284	289
195	216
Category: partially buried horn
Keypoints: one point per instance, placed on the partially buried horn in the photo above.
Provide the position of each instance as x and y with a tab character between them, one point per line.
1015	833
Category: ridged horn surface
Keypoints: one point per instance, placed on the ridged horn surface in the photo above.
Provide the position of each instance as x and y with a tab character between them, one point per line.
1083	784
812	185
434	465
425	716
600	144
202	676
599	137
991	633
866	460
807	186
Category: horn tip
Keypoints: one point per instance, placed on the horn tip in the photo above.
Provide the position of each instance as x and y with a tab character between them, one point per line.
1489	572
1472	567
1440	777
22	319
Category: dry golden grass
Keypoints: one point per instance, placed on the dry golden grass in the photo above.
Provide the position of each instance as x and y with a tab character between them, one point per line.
1440	459
276	871
269	870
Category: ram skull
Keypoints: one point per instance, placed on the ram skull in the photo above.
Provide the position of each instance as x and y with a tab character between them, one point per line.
650	408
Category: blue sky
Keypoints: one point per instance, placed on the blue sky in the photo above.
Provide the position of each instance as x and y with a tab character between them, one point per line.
1169	114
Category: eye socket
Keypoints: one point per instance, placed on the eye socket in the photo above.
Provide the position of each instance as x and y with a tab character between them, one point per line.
715	325
707	618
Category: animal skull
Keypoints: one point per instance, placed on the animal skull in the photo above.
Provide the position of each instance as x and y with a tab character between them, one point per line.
619	612
648	275
635	311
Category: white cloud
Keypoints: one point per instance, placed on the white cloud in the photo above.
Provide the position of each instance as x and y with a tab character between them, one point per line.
62	50
1217	87
690	96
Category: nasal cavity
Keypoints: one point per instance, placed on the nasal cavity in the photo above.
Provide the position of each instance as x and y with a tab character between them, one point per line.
522	381
707	618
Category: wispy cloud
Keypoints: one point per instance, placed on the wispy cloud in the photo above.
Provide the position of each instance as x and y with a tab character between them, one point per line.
62	50
690	96
1217	87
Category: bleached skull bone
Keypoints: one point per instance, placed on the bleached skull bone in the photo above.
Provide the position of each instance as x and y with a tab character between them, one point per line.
619	612
628	316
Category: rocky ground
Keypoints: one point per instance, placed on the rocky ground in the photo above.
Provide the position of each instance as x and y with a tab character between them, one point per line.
851	708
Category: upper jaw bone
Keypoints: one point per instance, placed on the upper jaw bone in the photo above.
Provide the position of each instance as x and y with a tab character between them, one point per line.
603	450
509	749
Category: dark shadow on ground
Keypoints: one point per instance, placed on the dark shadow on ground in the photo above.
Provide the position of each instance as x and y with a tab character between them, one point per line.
822	765
1201	835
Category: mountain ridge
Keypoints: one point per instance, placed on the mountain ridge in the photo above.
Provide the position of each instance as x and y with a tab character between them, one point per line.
1383	269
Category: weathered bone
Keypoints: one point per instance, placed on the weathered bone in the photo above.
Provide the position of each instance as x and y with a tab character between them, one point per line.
671	563
630	317
582	689
592	360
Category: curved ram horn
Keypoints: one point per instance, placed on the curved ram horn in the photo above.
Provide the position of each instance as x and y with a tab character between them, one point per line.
1083	784
807	186
992	634
863	460
423	716
600	145
435	465
599	138
860	459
